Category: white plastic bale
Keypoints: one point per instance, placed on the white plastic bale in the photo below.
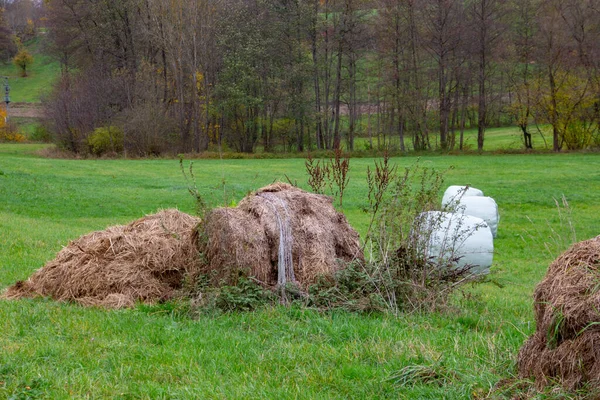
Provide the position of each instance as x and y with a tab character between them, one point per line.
454	193
482	207
464	239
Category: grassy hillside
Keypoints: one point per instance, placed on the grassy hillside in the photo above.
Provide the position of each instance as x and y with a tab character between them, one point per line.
50	350
41	75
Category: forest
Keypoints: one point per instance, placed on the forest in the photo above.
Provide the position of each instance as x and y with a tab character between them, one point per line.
144	77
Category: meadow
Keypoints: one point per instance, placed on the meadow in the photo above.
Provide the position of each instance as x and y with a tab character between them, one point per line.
40	75
52	350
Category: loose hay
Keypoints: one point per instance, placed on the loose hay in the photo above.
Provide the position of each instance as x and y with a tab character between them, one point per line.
247	237
146	261
566	345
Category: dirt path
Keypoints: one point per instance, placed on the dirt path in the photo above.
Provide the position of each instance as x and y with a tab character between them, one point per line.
26	110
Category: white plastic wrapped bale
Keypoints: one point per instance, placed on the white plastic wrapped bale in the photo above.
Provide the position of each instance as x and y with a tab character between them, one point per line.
482	207
454	193
459	237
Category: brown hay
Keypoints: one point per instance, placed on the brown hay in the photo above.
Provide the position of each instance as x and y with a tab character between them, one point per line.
573	363
247	237
143	261
566	345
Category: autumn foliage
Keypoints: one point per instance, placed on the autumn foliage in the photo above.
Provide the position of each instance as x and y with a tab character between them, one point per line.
290	76
23	60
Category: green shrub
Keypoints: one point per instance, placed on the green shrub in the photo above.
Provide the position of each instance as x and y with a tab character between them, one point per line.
40	134
105	140
243	295
579	134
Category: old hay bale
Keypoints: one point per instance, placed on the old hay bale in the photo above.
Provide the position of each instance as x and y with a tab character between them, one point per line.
143	261
573	363
566	344
315	237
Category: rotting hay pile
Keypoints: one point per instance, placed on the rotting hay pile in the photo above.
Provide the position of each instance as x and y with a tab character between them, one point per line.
279	234
146	261
566	345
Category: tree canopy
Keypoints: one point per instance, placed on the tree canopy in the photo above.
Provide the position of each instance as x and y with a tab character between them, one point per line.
288	75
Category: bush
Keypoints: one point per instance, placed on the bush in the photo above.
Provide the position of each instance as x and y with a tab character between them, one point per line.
149	130
10	136
243	294
40	134
399	276
8	132
23	60
579	134
106	140
78	105
407	278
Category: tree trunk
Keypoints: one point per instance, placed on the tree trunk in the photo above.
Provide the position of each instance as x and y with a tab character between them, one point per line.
553	112
337	98
318	119
482	106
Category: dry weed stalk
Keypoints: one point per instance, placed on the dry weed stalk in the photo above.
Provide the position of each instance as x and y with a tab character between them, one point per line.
318	173
333	174
339	166
404	275
190	180
378	182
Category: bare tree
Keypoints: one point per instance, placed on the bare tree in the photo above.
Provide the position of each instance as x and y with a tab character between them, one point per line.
486	19
443	38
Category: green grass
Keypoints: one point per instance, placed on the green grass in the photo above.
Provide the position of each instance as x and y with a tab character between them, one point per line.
504	139
67	351
41	75
26	126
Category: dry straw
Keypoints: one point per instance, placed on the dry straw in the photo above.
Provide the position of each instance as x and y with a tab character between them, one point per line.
566	344
144	261
248	237
277	235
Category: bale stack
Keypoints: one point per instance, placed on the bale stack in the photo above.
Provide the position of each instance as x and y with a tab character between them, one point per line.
481	207
566	344
454	193
471	201
248	237
144	261
463	234
462	240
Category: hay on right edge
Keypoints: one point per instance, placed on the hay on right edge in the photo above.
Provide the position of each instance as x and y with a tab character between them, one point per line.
566	345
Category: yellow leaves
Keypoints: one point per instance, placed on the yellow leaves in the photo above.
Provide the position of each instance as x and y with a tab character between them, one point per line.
568	106
11	137
214	131
199	77
6	134
199	83
22	60
2	117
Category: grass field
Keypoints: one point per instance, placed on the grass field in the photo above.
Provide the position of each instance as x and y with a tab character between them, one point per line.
50	350
508	138
42	73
